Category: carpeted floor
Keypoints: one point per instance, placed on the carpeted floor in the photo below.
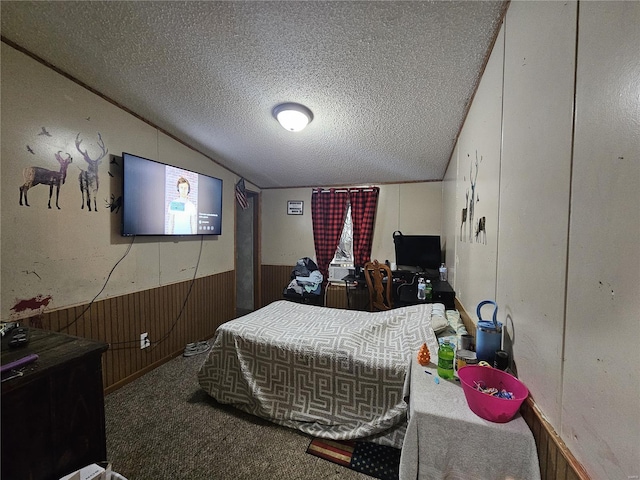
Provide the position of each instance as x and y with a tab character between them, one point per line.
164	427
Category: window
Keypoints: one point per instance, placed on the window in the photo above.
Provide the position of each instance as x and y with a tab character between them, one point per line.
343	259
344	252
328	209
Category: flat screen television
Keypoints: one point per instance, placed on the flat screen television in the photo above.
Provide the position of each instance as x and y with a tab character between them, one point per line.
420	253
161	199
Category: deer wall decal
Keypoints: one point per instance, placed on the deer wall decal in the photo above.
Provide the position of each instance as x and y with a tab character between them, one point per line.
472	200
464	216
41	176
88	179
481	230
114	204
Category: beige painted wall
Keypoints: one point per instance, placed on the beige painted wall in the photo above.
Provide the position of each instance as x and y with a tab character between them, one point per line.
477	174
534	198
68	253
286	238
412	208
603	284
567	258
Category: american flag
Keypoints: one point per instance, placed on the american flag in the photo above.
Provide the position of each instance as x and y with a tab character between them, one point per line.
241	194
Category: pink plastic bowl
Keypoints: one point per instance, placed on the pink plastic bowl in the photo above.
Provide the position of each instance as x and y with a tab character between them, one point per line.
494	409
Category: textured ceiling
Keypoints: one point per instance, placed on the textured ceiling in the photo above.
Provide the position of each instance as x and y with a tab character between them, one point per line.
388	82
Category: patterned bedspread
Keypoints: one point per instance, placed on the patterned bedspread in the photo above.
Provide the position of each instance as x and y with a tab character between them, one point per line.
331	373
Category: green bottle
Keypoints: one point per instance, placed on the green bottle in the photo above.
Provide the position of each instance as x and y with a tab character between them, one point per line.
446	356
428	290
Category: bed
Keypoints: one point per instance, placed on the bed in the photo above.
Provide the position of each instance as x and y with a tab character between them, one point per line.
331	373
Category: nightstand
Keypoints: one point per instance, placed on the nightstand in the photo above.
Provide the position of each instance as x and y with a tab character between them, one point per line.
53	415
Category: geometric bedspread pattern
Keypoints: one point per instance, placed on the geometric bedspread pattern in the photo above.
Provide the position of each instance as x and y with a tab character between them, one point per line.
331	373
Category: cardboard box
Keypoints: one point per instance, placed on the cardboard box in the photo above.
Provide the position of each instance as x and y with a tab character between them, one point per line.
91	472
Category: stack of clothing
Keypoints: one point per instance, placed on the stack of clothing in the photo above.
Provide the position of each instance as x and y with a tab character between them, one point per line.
305	277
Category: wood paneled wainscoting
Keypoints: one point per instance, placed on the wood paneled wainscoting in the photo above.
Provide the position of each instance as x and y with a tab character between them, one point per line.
274	280
556	460
276	277
119	321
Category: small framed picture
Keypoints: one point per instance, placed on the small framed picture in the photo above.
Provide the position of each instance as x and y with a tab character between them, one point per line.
295	207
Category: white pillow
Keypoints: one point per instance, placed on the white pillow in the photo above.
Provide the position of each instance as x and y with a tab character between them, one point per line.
438	323
437	309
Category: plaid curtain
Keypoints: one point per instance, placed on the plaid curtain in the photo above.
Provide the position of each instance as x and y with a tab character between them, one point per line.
364	203
328	208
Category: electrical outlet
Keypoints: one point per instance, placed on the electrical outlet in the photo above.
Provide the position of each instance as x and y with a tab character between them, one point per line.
144	340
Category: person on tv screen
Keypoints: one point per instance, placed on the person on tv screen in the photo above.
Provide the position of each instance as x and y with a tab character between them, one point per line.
182	212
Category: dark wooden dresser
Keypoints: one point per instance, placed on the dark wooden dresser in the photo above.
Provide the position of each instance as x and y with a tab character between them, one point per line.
53	415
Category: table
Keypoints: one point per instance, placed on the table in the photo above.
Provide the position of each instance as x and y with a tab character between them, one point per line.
405	290
53	415
445	439
407	293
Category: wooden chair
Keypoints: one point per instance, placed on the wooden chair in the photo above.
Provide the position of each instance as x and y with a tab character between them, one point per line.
380	292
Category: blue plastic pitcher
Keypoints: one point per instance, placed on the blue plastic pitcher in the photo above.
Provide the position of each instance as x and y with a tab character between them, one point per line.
488	334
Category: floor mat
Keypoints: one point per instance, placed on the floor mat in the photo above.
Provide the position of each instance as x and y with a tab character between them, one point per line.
378	461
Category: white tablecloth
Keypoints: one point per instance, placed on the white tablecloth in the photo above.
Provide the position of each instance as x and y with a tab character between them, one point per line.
446	440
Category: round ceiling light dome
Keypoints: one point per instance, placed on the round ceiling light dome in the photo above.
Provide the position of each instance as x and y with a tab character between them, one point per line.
292	116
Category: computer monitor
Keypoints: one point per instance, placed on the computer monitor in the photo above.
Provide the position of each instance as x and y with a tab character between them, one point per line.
420	253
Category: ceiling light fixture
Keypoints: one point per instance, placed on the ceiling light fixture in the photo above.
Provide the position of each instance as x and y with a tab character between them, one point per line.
292	116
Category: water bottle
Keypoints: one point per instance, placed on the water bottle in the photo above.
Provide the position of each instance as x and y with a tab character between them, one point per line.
443	273
428	290
421	289
445	360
